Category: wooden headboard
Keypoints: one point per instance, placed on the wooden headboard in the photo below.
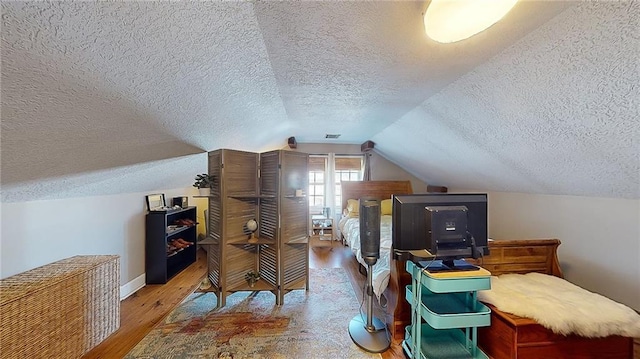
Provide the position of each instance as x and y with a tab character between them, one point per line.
373	189
522	256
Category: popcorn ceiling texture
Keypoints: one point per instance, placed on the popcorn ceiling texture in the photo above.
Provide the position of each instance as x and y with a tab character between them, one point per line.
118	97
556	113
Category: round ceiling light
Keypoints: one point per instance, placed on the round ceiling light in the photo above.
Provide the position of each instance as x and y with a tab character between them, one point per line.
454	20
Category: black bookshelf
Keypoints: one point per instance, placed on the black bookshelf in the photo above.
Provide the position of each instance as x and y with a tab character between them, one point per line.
162	259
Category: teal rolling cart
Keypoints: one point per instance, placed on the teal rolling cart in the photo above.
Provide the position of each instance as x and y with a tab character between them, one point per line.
445	313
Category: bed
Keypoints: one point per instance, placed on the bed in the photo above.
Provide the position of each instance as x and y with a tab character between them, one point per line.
509	336
350	230
350	226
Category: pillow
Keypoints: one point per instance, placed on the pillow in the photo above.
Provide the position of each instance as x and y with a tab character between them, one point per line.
353	206
385	207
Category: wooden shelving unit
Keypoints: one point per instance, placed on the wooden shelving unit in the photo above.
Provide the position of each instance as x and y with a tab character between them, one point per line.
261	187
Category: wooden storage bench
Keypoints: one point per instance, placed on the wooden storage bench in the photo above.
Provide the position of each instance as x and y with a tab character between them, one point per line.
60	310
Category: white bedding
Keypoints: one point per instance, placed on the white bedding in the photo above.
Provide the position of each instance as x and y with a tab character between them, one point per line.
350	229
561	306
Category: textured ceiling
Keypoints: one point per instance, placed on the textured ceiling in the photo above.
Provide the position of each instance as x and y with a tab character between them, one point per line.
112	97
556	113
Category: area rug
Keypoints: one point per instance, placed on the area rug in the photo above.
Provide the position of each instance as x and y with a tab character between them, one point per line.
310	324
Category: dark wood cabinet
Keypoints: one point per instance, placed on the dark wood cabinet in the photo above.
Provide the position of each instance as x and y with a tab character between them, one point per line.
170	243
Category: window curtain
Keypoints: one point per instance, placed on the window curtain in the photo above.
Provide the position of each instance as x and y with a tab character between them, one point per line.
366	175
330	185
317	163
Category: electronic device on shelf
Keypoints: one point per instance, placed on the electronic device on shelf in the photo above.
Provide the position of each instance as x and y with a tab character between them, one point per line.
182	202
438	230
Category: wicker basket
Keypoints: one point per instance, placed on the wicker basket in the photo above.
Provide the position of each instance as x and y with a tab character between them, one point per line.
60	310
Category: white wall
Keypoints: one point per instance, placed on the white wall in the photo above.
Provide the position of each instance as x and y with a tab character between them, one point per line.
385	170
39	232
600	248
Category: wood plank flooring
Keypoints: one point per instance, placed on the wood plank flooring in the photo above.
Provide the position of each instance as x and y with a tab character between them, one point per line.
340	256
148	306
144	309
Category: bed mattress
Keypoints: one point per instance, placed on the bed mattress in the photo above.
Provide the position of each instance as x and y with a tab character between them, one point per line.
350	229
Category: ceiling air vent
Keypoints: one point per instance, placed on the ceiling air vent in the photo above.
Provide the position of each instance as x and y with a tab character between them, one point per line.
331	136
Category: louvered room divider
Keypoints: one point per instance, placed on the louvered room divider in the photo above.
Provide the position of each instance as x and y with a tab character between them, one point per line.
261	187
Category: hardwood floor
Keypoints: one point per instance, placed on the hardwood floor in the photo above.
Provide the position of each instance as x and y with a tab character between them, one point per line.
340	256
148	306
144	309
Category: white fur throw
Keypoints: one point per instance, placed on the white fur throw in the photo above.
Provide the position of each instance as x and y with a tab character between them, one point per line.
561	306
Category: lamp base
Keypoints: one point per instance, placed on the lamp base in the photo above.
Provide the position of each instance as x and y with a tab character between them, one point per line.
373	340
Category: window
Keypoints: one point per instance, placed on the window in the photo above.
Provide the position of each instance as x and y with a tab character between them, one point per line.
317	169
326	193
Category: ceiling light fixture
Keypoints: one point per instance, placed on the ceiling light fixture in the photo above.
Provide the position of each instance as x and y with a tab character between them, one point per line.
449	21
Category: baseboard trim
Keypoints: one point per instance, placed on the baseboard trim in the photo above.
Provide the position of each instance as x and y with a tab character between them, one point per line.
132	287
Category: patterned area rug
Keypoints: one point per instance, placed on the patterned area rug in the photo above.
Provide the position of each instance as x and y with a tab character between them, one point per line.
311	324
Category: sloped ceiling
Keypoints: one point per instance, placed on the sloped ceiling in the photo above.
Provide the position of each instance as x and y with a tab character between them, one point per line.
113	97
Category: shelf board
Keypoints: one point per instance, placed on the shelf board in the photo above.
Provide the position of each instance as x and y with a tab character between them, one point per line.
177	230
451	343
173	253
249	196
180	260
465	281
449	310
246	241
170	211
298	241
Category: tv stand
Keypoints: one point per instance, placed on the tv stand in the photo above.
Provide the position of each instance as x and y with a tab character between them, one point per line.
447	265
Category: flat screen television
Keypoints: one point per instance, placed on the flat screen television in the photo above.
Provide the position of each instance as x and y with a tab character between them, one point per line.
413	219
